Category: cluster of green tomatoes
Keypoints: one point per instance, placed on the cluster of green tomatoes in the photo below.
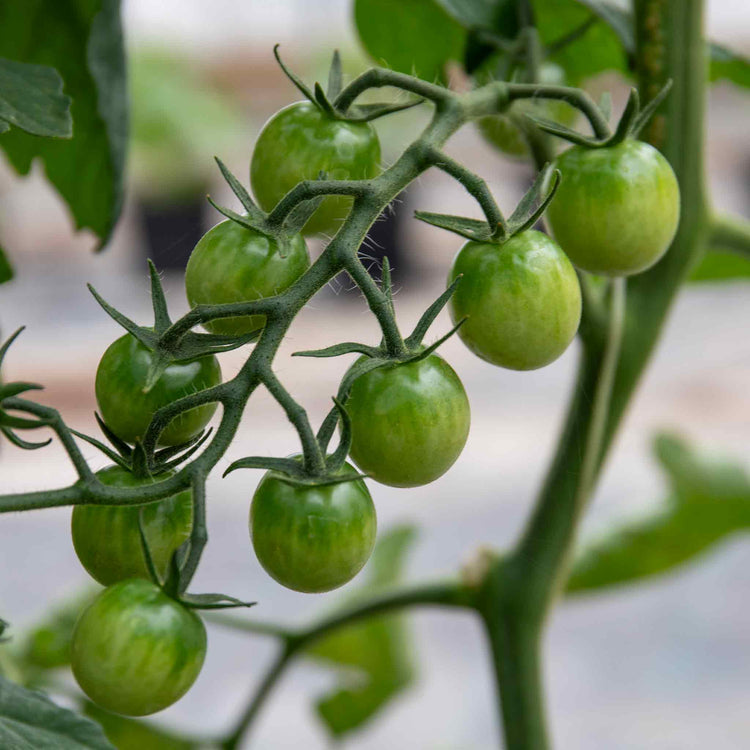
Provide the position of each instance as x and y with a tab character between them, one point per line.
135	649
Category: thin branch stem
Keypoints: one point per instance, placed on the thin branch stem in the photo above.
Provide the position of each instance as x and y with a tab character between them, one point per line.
730	233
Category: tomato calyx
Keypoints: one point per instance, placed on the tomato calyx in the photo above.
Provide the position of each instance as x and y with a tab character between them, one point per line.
168	343
529	210
9	402
632	121
326	101
134	458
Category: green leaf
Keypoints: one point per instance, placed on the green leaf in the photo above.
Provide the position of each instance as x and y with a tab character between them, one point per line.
411	36
82	39
31	98
48	644
374	656
213	601
132	734
728	65
598	49
709	501
493	15
30	721
720	265
6	270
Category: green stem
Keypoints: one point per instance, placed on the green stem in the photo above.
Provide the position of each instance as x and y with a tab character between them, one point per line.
447	594
730	233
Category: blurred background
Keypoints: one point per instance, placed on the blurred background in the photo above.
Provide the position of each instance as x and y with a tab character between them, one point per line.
662	666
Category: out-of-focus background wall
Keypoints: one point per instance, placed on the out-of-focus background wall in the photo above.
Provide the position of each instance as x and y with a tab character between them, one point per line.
664	666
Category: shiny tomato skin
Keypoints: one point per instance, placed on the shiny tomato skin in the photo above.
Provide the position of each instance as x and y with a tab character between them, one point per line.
135	650
231	263
127	410
298	143
312	538
617	208
410	421
522	300
107	539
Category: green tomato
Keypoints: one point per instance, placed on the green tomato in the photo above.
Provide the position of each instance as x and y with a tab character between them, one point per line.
617	209
127	410
522	300
503	132
107	539
233	264
135	650
410	421
298	143
312	538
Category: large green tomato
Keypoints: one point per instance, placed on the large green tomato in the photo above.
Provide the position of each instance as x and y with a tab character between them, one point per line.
107	539
233	264
298	143
127	410
617	209
502	132
522	299
312	538
410	421
135	651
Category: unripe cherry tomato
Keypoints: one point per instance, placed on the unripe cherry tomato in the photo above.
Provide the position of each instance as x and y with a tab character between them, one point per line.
522	299
135	650
231	263
617	208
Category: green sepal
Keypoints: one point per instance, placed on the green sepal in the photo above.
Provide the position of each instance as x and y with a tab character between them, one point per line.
427	351
335	462
19	442
269	463
322	101
297	219
242	195
470	229
327	481
337	350
300	85
105	449
147	556
335	77
213	601
429	316
162	464
542	191
632	121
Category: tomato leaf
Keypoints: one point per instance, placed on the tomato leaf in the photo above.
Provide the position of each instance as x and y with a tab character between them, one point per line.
374	656
709	500
721	265
82	39
728	65
30	721
31	98
410	36
132	734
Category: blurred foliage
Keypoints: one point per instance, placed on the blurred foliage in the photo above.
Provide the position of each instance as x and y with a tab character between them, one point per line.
709	500
720	265
374	655
411	36
179	122
82	39
30	721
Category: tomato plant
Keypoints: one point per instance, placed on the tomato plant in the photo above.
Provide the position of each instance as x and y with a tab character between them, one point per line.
410	421
617	209
136	651
232	263
615	204
127	405
302	141
309	537
521	300
107	539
